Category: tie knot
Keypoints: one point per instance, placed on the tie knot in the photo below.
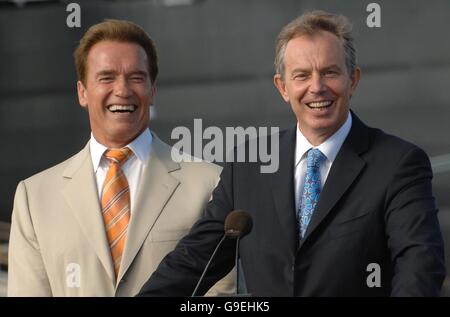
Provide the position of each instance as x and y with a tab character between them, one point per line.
118	156
315	158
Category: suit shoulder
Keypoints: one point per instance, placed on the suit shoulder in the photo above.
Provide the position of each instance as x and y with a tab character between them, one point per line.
196	169
54	172
393	147
189	165
202	167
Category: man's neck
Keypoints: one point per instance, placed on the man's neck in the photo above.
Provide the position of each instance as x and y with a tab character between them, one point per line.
317	136
115	143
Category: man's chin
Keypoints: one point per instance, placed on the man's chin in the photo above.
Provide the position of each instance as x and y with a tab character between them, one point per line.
123	136
327	126
321	125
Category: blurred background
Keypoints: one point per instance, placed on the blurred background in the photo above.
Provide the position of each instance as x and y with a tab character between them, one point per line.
216	63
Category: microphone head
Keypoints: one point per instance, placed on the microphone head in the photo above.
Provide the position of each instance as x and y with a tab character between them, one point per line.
238	224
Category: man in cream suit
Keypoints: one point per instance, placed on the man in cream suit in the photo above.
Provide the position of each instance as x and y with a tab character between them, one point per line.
99	223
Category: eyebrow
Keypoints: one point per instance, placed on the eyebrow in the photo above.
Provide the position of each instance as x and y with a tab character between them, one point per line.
104	73
138	72
112	72
306	70
331	67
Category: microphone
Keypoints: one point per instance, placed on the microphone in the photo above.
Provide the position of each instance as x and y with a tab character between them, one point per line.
238	223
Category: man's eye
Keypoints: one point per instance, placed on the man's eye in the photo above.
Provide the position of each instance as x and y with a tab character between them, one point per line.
106	79
137	79
300	77
331	73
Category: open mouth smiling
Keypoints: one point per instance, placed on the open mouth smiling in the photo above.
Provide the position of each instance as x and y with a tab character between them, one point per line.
320	104
117	108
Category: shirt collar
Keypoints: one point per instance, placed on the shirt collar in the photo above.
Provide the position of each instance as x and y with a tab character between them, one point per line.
329	148
141	147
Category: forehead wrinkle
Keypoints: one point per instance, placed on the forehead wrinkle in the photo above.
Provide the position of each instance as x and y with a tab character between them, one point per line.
315	55
101	59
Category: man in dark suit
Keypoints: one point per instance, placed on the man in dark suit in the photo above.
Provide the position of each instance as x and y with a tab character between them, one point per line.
350	211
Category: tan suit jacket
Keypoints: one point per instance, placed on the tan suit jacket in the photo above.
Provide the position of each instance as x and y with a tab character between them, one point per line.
58	245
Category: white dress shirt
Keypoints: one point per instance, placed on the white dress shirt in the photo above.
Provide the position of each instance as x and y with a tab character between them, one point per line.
329	148
132	168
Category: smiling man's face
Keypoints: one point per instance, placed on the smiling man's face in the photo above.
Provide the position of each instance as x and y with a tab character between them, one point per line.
117	92
317	84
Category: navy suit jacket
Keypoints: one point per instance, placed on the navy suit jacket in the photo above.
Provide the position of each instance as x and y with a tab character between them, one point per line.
376	207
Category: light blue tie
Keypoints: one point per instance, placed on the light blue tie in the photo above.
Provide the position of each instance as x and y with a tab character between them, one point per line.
311	189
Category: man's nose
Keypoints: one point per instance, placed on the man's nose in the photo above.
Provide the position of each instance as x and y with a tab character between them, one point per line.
122	88
317	85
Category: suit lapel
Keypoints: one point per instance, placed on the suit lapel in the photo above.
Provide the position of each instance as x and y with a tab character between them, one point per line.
81	195
345	169
282	185
155	189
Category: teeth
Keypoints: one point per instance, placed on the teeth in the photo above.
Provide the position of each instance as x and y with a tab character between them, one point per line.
114	108
319	104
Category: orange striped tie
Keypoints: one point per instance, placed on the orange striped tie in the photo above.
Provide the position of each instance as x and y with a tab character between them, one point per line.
115	204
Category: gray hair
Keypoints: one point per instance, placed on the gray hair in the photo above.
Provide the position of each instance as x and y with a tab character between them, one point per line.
308	24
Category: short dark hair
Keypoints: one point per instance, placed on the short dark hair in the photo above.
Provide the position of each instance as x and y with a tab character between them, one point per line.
120	31
308	24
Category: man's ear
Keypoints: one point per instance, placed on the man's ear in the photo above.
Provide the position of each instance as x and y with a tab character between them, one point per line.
82	94
153	93
356	75
281	86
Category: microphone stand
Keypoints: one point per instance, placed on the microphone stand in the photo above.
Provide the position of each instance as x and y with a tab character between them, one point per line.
237	293
207	266
238	223
237	265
